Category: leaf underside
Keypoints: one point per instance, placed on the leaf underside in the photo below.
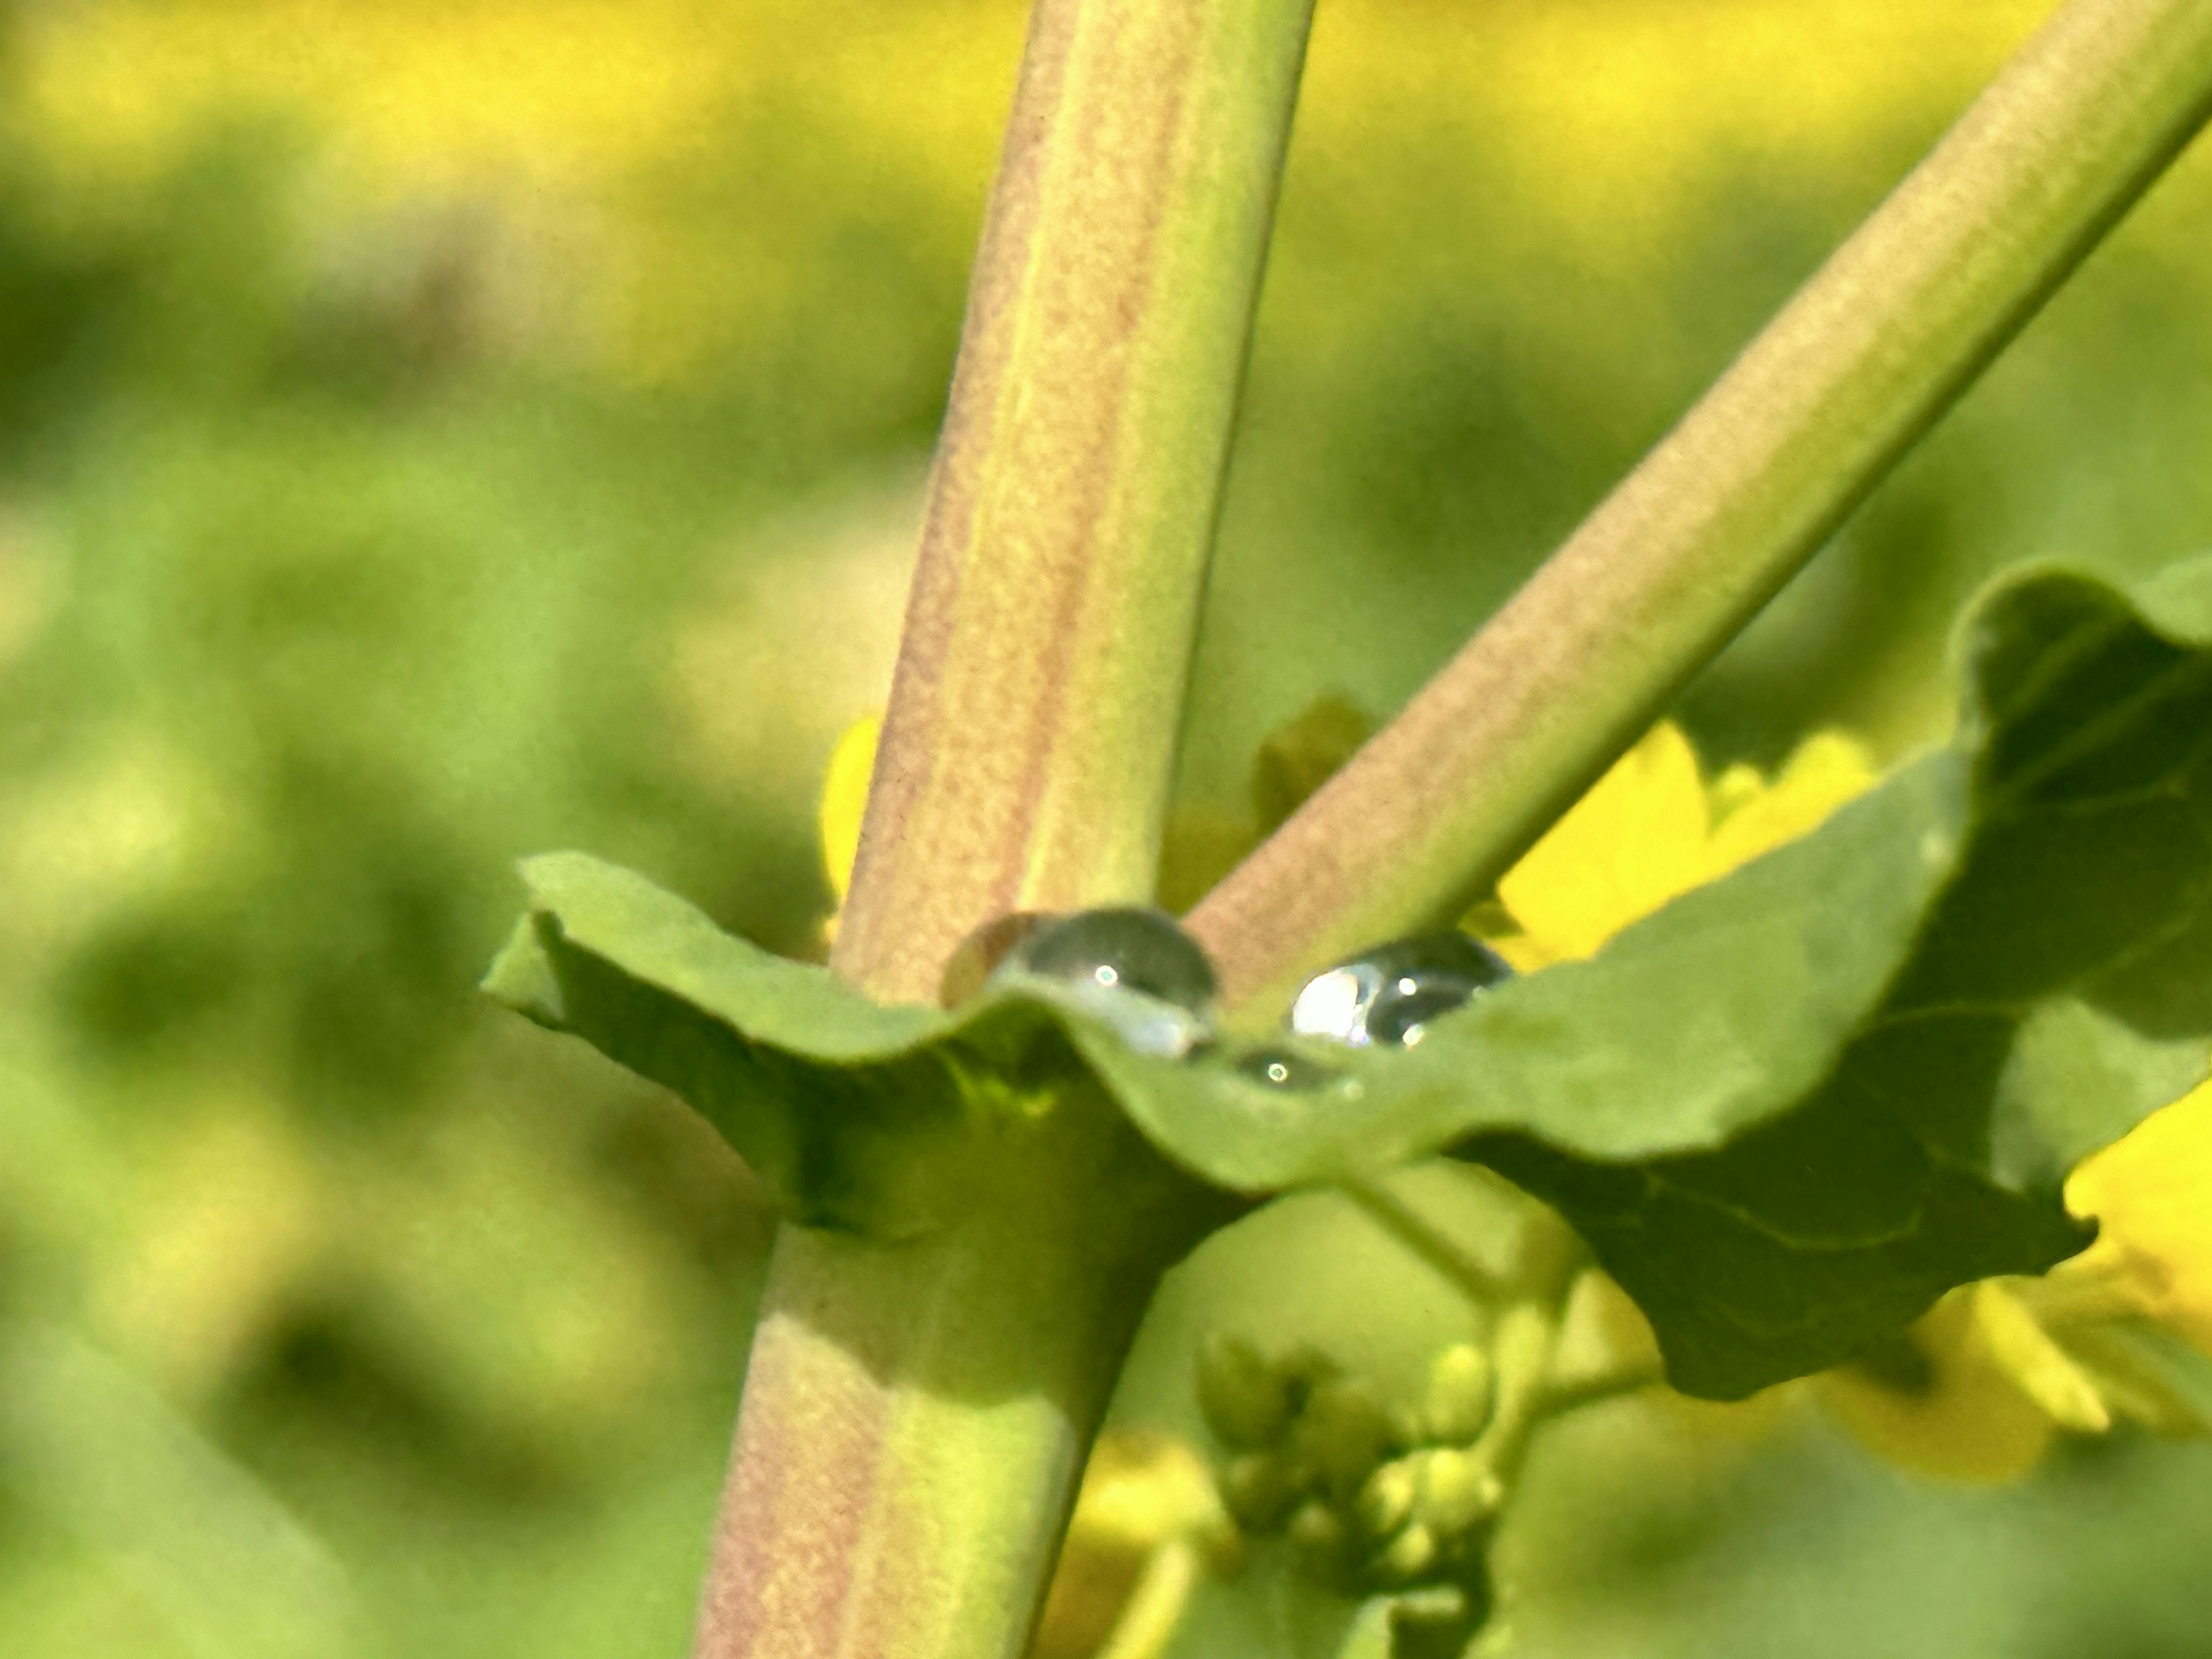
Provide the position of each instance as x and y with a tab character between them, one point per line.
1787	1111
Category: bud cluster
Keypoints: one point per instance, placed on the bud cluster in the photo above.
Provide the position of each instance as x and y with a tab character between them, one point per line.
1369	1499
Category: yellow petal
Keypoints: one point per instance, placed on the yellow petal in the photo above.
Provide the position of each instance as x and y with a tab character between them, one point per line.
1955	1413
2152	1193
1140	1490
845	800
1828	769
2037	1366
1634	841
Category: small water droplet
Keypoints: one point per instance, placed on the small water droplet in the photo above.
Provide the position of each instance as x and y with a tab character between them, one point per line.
1280	1068
1390	994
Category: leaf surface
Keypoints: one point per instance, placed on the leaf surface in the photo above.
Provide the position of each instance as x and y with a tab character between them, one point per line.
1788	1110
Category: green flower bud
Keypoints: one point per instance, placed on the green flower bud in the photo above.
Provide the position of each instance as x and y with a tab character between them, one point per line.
1306	1366
1247	1402
1259	1489
1386	1502
1460	1394
1408	1558
1321	1542
1458	1492
1344	1432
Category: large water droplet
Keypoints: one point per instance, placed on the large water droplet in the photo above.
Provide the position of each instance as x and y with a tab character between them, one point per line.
1390	994
1123	949
1133	968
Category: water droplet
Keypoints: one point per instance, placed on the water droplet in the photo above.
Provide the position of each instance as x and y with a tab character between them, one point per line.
1389	994
1135	969
1123	949
1280	1068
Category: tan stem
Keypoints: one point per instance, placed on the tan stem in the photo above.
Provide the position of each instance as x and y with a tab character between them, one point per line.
915	1413
880	1503
1026	756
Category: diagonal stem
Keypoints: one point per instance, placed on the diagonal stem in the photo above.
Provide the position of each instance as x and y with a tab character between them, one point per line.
1421	1238
1854	369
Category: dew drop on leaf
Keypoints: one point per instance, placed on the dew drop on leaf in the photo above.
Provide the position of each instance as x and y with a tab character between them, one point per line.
1133	968
1390	994
1125	949
1280	1068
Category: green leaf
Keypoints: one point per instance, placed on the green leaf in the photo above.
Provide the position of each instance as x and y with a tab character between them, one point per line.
883	1120
654	984
2058	990
1787	1111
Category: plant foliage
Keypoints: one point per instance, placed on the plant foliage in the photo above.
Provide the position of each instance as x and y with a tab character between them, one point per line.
1787	1111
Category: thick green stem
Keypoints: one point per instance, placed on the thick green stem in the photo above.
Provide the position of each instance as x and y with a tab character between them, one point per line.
899	1476
914	1415
1027	753
1703	533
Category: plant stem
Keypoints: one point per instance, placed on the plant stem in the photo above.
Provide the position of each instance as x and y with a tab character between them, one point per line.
915	1415
1027	753
1522	1348
1558	1399
1422	1239
1866	357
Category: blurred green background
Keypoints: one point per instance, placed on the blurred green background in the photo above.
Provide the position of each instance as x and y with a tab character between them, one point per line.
435	432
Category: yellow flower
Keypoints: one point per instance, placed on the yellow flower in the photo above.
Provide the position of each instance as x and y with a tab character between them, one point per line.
1147	1511
844	804
845	800
1976	1390
1651	829
2151	1193
1940	1398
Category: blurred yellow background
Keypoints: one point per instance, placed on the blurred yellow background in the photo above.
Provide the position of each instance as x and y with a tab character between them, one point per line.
434	432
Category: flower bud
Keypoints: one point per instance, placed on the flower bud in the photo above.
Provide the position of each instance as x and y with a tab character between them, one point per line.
1259	1490
1461	1386
1319	1539
1386	1502
1246	1401
1436	1621
1345	1433
1459	1491
1407	1558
